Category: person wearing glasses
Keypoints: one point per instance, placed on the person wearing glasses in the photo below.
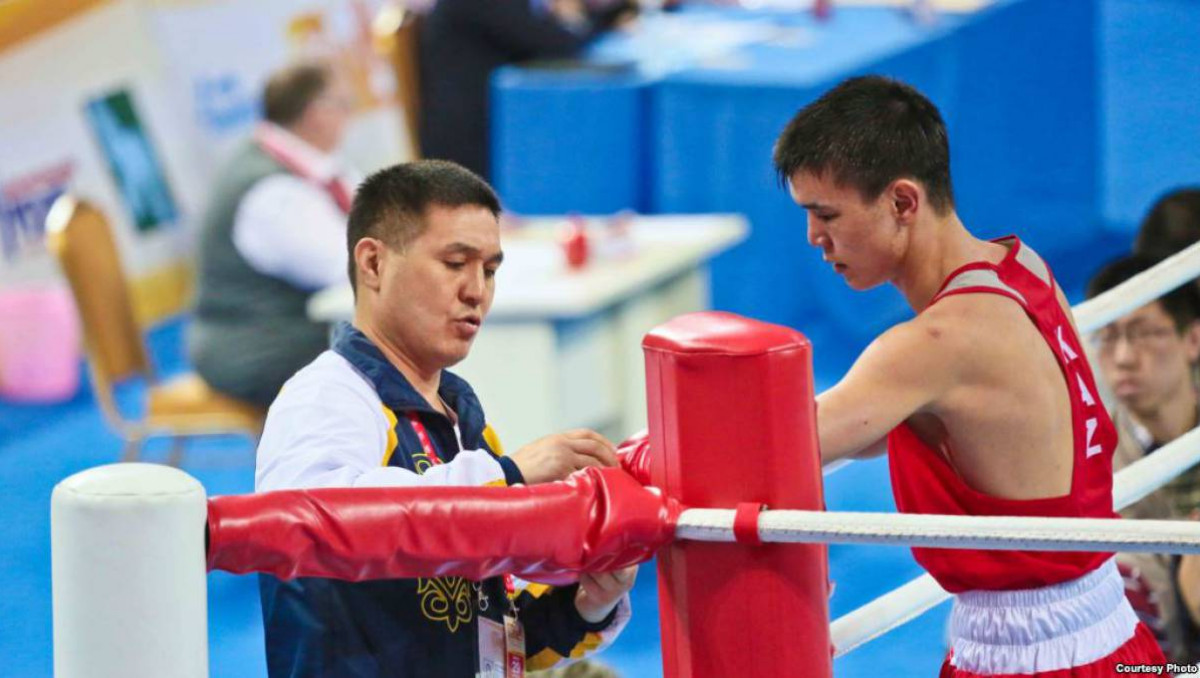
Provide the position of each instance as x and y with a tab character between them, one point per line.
1149	360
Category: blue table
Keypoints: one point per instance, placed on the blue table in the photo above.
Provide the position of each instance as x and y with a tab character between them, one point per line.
682	119
568	141
690	127
1024	168
716	127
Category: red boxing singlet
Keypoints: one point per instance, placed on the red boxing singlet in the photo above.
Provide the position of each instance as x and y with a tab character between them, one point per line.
924	481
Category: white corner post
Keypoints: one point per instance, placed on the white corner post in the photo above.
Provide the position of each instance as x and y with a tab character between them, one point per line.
129	574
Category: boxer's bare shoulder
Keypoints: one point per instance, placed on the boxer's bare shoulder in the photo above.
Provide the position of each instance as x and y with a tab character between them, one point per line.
970	374
904	371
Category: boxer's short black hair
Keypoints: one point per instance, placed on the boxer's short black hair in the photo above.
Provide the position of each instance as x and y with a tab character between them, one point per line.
866	133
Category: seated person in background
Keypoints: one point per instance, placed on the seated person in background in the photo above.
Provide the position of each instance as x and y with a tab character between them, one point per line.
380	409
1148	358
1172	224
463	41
273	232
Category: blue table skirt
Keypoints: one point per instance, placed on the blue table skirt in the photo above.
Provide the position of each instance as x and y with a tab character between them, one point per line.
569	140
1017	83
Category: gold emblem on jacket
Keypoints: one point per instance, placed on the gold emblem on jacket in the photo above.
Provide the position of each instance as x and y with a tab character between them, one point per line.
421	463
447	600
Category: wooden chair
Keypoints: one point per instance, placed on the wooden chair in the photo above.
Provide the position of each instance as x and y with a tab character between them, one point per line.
80	238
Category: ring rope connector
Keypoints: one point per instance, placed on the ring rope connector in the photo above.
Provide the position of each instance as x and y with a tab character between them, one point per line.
745	523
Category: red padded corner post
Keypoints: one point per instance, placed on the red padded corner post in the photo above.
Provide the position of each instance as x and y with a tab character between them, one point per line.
733	420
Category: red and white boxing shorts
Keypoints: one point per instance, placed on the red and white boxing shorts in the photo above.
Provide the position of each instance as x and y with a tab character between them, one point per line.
1077	629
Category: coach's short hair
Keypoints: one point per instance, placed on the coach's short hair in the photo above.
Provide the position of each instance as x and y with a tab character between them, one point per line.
391	204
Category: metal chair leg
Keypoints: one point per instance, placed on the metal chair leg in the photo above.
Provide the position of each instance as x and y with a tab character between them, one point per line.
175	456
133	449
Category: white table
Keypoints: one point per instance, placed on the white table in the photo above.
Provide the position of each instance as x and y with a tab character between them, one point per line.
562	349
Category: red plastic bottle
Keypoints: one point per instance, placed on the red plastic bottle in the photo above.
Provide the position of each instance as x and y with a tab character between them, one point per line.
575	243
822	9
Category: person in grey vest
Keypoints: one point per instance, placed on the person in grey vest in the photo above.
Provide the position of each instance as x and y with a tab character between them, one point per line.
273	233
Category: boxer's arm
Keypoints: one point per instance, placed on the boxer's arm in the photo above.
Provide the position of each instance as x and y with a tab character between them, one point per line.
901	373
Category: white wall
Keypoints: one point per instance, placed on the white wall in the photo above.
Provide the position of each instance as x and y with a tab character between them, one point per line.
194	70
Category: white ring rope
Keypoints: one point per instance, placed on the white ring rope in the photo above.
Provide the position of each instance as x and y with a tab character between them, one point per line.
1139	290
1130	295
984	532
922	594
1134	482
1008	533
1130	484
886	613
835	466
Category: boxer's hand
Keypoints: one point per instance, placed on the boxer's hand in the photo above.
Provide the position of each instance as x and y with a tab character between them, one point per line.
599	593
557	456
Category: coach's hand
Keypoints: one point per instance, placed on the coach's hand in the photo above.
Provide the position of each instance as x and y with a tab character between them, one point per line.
557	456
600	592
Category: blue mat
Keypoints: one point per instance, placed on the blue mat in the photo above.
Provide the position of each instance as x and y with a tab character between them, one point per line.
71	437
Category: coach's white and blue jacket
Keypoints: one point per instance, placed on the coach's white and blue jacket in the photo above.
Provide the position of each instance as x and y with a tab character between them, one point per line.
342	421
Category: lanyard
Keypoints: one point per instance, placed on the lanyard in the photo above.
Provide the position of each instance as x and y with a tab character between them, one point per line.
427	447
334	186
423	436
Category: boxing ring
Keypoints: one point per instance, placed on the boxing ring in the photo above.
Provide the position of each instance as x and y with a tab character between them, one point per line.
732	430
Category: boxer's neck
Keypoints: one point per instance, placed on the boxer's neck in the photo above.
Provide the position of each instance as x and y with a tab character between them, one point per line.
937	246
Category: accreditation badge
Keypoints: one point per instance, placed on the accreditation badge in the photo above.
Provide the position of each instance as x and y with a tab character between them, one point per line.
492	655
514	637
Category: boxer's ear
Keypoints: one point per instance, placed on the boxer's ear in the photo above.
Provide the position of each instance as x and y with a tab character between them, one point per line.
905	199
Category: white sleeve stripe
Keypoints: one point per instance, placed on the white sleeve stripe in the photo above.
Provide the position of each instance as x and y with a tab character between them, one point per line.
327	428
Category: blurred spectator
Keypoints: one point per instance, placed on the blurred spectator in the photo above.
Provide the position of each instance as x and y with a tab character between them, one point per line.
1172	224
463	41
274	231
1149	357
